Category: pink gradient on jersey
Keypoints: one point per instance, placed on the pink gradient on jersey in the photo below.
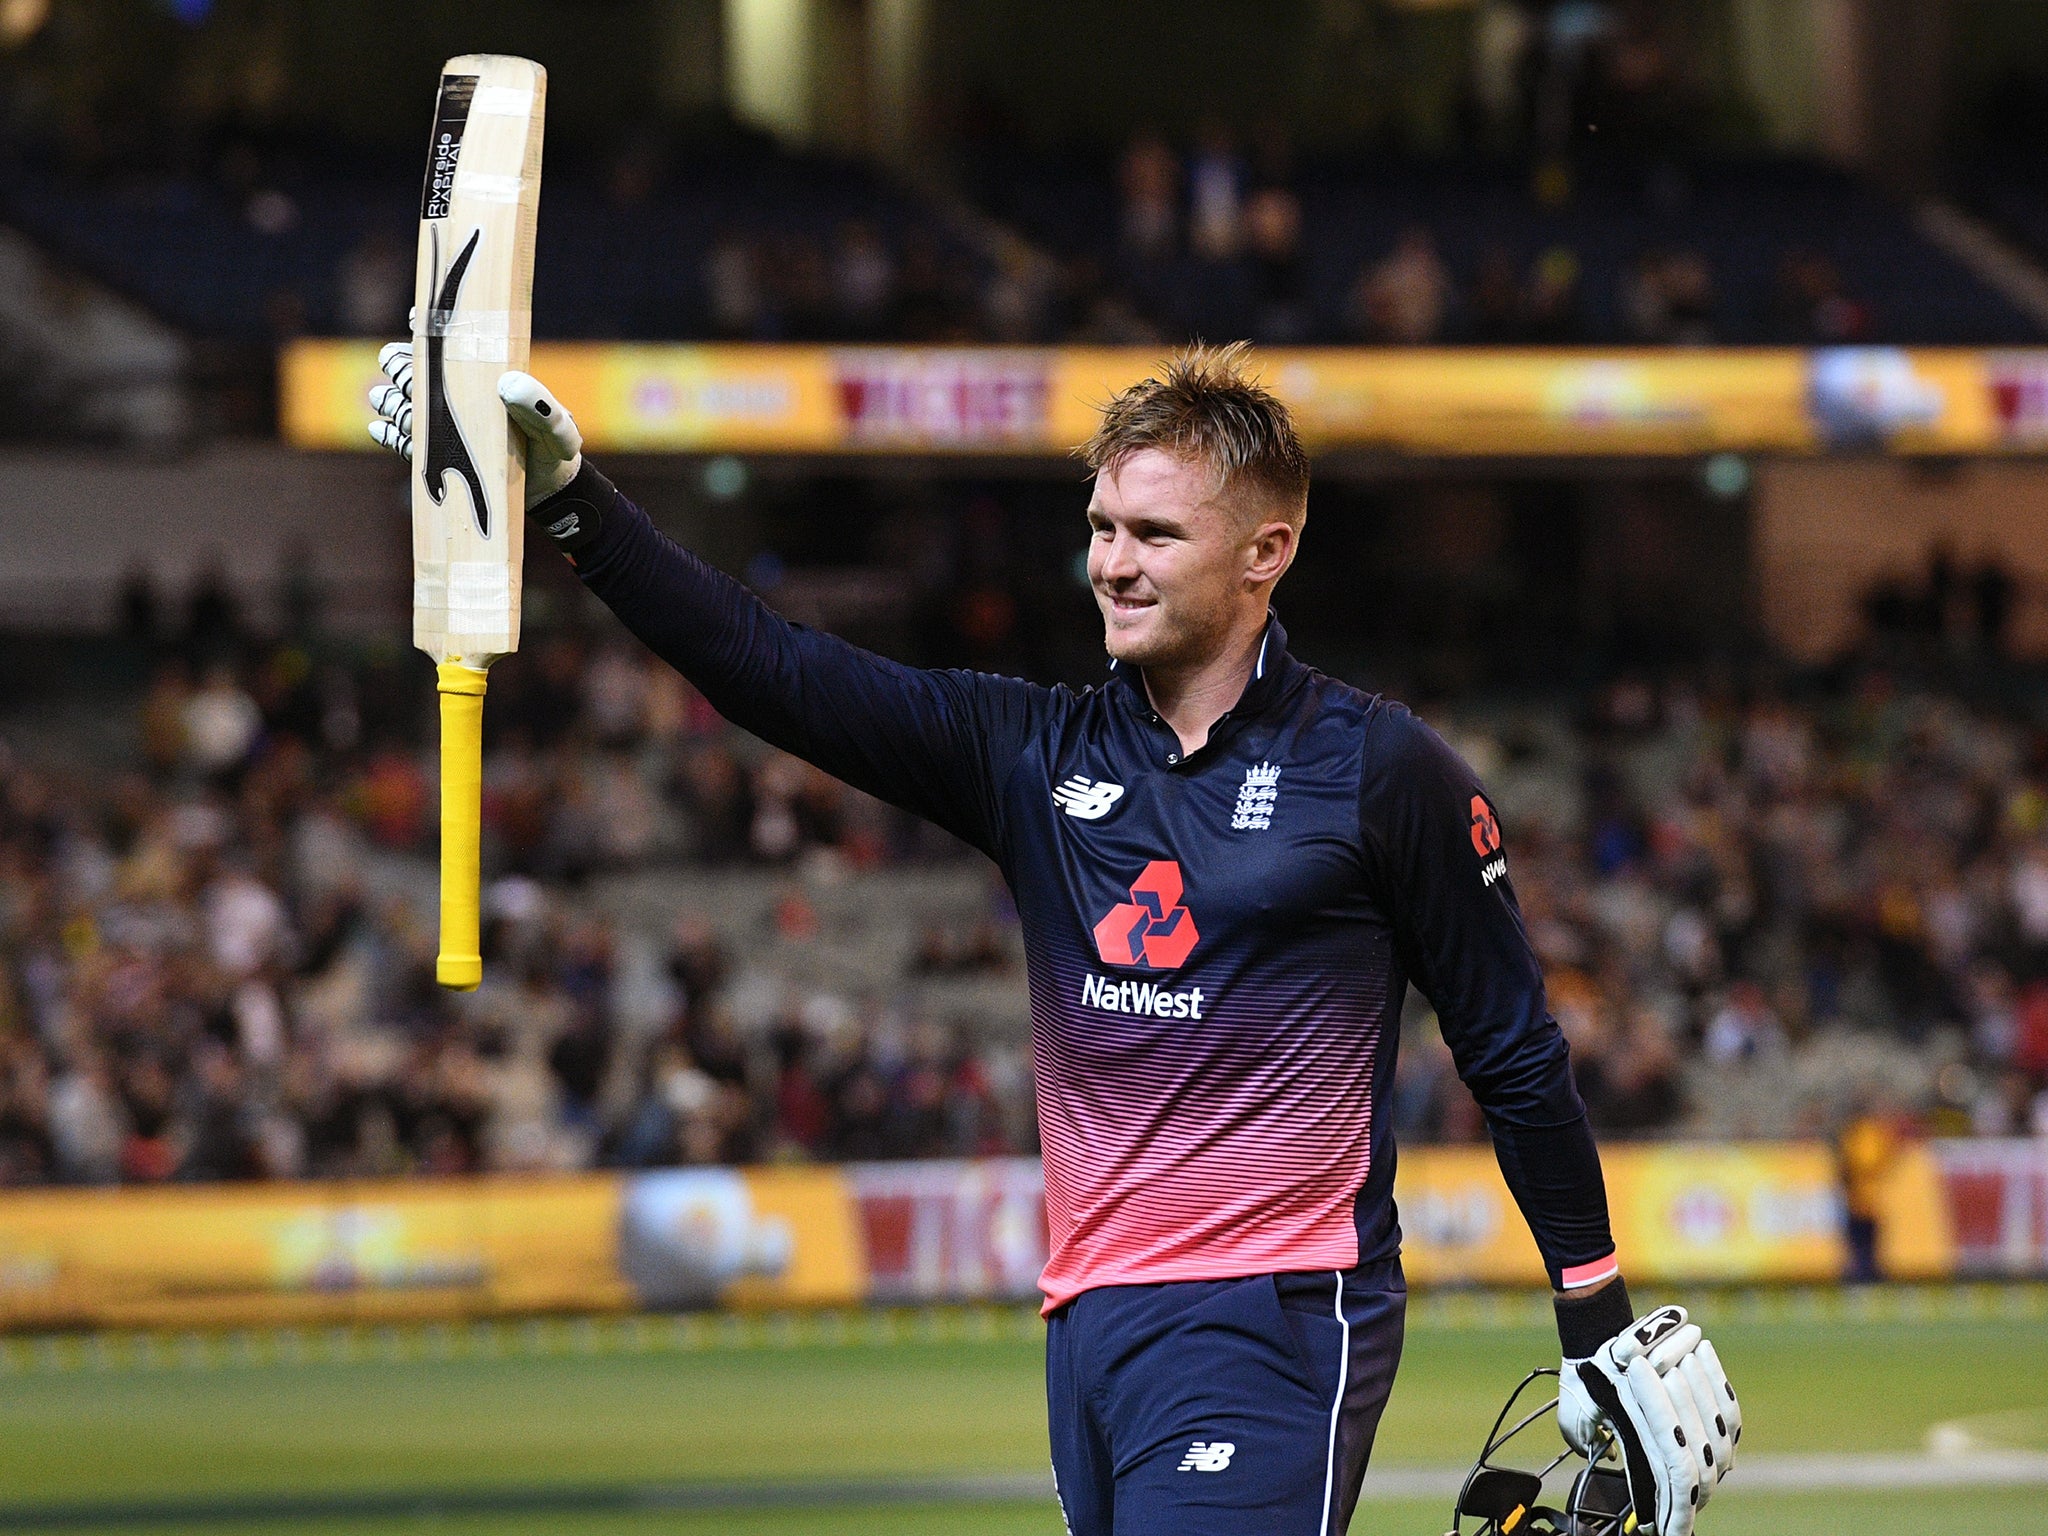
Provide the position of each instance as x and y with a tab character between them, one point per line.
1178	1151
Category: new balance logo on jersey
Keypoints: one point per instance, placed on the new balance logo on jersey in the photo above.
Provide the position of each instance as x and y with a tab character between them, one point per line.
1086	799
1208	1456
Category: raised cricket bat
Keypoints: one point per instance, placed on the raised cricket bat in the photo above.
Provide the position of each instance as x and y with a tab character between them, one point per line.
473	320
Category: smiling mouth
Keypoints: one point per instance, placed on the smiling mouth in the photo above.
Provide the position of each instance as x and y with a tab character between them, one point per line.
1124	603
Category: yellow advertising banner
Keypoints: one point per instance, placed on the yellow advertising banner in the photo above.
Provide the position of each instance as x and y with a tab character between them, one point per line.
825	1236
1681	1212
303	1252
1476	402
204	1256
1717	1211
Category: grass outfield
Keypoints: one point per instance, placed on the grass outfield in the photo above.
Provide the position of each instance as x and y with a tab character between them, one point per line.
1924	1514
101	1431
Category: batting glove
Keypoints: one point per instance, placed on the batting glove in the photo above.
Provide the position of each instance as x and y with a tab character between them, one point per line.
554	446
1658	1390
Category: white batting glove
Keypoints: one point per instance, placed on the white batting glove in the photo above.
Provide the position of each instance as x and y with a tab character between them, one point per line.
554	446
1659	1390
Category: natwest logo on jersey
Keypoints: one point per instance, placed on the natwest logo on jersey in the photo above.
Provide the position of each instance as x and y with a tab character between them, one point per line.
1152	929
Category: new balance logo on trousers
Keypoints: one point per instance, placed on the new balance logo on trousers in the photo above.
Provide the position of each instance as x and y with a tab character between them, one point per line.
1208	1456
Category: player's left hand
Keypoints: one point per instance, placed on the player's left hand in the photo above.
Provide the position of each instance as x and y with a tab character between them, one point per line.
554	445
1659	1389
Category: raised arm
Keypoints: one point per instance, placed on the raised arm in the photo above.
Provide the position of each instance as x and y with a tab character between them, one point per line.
941	744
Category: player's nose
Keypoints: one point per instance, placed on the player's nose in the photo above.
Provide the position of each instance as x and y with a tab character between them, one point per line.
1119	559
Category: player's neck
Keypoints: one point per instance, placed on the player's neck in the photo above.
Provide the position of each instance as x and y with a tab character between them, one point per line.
1192	697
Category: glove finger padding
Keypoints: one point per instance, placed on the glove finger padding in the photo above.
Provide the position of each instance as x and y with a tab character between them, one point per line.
393	402
1662	1472
1701	1389
1724	1396
1673	1347
394	405
395	361
1666	1340
1677	1484
1693	1436
387	435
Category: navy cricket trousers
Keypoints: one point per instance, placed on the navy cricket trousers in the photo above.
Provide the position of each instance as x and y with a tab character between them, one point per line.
1221	1407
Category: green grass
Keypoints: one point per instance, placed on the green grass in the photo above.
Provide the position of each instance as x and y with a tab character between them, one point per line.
915	1409
1933	1513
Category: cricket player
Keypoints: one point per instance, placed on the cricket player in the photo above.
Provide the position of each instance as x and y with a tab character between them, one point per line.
1229	867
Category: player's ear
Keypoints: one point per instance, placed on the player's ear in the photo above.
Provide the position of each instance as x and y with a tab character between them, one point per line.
1272	550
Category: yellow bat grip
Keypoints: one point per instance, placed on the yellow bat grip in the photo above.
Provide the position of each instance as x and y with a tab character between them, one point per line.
459	965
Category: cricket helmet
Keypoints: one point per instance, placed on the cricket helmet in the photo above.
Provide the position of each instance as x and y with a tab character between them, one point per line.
1505	1500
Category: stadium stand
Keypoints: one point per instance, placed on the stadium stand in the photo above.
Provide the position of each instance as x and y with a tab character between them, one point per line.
1346	249
733	238
739	239
1761	912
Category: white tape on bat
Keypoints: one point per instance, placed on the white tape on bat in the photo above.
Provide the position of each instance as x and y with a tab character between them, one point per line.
479	335
502	101
479	597
474	322
485	188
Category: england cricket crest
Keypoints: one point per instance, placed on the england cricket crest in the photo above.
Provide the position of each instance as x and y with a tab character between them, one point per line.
1256	798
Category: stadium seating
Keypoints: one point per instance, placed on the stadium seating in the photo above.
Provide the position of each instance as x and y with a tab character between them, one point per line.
1745	219
622	252
634	251
218	941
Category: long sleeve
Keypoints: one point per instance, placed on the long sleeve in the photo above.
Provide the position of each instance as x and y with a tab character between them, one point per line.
1435	843
938	743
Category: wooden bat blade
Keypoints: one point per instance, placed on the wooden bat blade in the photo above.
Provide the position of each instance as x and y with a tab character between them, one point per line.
472	320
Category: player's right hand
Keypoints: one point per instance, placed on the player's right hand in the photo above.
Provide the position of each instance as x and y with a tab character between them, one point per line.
554	445
1658	1387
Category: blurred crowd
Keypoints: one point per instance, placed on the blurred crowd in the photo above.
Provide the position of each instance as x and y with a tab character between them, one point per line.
1718	883
216	959
217	962
1219	219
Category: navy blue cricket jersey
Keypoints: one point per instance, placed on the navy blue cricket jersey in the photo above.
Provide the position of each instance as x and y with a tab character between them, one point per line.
1219	943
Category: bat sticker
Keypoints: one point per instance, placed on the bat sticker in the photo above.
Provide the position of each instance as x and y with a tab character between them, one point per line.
447	451
451	121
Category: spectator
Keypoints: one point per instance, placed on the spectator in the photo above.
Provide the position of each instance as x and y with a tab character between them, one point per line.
1404	298
1497	299
1150	183
1669	299
1273	234
732	288
1811	305
1552	311
863	282
1216	177
219	723
374	286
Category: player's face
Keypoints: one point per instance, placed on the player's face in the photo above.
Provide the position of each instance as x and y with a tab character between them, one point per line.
1169	565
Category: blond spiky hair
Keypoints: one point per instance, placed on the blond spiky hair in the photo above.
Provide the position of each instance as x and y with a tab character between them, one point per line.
1208	407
